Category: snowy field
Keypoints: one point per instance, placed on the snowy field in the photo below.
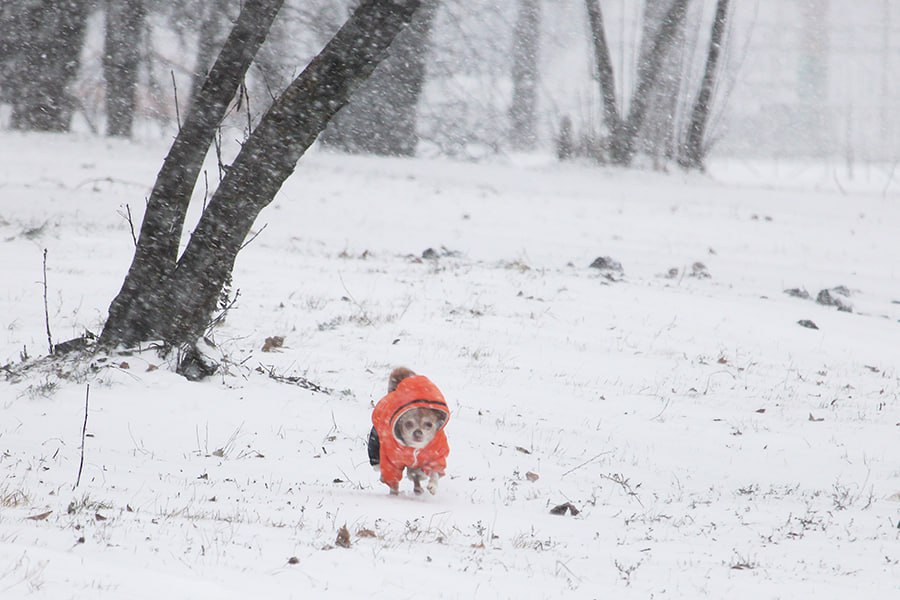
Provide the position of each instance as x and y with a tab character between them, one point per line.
712	446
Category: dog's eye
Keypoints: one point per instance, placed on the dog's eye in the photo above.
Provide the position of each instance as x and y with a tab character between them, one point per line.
427	424
408	424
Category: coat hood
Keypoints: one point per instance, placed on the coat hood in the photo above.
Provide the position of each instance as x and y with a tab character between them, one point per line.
413	392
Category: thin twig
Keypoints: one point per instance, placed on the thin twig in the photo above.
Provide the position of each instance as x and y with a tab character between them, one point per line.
217	142
253	237
247	100
46	311
130	223
87	395
297	380
175	90
626	486
362	311
205	188
221	316
587	462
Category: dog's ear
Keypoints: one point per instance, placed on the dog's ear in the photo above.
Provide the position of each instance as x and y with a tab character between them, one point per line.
398	375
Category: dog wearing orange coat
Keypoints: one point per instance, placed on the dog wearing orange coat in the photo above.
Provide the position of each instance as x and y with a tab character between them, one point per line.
408	432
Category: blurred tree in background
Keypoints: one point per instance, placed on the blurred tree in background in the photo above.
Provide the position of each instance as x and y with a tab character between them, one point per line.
474	78
42	44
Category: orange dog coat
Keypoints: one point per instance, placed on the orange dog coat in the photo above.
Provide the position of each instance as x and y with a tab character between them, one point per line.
413	392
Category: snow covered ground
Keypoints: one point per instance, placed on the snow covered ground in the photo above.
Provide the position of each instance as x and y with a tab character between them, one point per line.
713	446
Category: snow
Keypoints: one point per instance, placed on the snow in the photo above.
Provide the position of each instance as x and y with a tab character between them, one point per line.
713	446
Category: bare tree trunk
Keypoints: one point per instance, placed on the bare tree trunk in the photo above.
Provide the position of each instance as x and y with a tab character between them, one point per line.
180	309
47	63
132	312
209	41
694	152
657	135
12	36
121	57
381	116
526	43
604	68
649	72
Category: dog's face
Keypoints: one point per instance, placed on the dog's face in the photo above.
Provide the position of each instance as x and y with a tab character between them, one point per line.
417	426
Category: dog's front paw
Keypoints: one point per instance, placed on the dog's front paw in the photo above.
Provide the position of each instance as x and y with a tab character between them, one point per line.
395	491
433	485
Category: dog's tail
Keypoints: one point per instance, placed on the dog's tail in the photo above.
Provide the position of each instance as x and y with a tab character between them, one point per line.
398	375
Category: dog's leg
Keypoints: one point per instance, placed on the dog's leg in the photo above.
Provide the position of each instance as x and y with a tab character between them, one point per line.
416	476
433	483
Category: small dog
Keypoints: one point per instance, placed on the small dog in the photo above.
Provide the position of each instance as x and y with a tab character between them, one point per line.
408	432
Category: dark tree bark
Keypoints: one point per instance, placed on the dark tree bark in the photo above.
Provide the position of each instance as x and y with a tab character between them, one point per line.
121	57
526	43
46	63
209	41
624	131
657	135
12	33
132	312
179	309
694	152
649	72
605	75
381	116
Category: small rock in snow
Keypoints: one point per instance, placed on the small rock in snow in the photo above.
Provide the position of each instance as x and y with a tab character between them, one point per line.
606	263
699	270
807	323
833	297
797	293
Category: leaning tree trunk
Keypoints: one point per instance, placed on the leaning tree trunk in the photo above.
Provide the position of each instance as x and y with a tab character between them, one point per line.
649	73
132	314
12	39
121	57
605	75
180	309
209	40
657	135
526	43
381	116
47	64
694	152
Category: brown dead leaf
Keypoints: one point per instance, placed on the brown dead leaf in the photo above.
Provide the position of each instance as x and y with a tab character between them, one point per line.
40	517
151	368
365	533
276	341
523	450
343	537
760	410
815	419
124	365
99	517
532	476
293	560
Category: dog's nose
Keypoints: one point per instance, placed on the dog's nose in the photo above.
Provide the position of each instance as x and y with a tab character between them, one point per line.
417	435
